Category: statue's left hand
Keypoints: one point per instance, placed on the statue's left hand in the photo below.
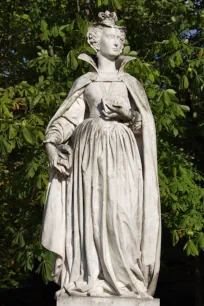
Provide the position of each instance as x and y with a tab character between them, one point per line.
118	112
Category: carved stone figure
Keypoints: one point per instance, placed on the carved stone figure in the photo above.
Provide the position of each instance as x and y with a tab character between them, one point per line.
102	216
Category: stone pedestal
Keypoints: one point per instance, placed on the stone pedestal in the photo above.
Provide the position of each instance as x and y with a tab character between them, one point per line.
105	301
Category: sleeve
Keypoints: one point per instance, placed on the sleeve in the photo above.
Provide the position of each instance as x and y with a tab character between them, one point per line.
62	128
136	123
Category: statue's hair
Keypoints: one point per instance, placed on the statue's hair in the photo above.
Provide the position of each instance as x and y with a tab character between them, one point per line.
94	35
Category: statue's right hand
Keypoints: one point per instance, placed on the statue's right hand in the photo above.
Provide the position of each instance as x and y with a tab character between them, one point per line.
54	159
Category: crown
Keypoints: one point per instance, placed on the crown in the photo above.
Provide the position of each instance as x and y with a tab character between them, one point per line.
108	19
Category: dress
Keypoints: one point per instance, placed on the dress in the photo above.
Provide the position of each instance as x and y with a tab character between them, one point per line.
108	172
102	201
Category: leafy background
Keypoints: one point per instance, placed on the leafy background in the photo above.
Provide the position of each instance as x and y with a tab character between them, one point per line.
39	44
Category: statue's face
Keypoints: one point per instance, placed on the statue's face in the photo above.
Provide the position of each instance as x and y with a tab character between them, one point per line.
110	44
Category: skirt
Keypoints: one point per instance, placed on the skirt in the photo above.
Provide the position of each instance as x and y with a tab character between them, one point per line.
104	212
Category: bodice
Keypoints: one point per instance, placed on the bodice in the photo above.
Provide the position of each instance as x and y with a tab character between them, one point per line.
99	93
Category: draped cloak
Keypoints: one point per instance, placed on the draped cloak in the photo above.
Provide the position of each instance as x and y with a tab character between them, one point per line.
56	226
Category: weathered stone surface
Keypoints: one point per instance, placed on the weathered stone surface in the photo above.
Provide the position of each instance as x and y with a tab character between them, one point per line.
105	301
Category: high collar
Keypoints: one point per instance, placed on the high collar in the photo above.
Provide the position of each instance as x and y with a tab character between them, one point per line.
121	61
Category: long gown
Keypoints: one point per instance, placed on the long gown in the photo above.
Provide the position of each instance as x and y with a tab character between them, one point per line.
104	197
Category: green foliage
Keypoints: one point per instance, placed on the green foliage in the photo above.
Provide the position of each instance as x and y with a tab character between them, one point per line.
40	41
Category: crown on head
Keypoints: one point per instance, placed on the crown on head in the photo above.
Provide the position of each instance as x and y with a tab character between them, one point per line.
108	18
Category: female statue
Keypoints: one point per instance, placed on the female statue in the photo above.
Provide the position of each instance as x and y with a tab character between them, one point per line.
102	216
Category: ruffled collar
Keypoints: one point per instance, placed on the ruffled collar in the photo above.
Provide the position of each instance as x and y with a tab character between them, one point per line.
121	61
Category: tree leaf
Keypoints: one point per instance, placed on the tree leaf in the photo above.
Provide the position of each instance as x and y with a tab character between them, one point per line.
6	112
21	240
5	145
83	24
151	93
191	248
200	240
12	132
45	35
167	99
178	59
99	3
44	25
175	132
171	91
28	135
175	237
71	60
117	4
185	82
174	197
171	62
54	31
133	53
69	84
186	108
126	50
151	77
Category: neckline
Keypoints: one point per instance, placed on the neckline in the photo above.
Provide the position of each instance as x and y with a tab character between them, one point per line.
108	74
121	61
107	78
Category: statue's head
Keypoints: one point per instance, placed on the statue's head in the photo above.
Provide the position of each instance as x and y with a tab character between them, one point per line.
106	38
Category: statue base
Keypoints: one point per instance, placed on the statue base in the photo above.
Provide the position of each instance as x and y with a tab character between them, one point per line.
66	300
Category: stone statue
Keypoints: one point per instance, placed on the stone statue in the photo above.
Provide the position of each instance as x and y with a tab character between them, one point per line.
102	216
